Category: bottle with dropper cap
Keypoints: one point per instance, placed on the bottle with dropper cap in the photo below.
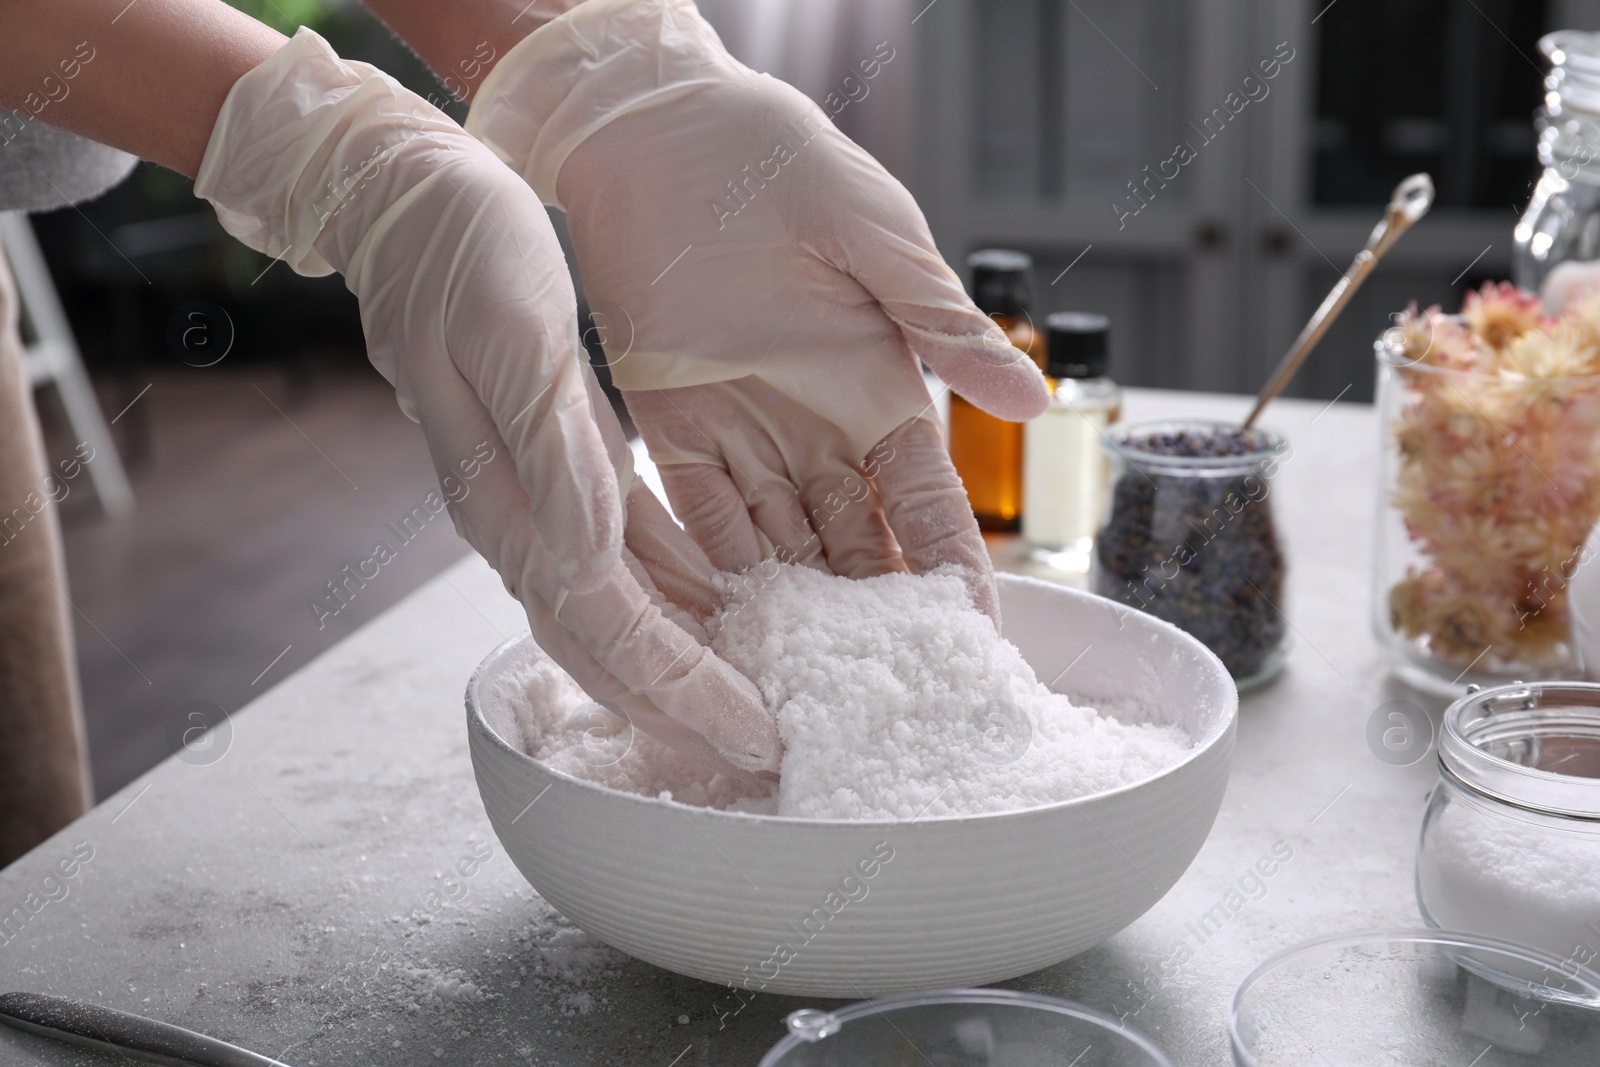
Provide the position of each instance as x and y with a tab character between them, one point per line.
986	451
1064	479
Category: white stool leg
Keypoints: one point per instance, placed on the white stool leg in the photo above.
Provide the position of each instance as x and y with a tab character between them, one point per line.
55	358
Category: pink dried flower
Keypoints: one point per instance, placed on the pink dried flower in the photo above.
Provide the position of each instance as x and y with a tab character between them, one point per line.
1497	431
1565	350
1433	338
1500	313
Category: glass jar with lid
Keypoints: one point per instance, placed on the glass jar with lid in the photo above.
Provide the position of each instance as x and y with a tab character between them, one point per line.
1562	220
1510	843
1190	536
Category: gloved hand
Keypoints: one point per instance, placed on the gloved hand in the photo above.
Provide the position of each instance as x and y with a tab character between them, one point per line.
769	288
469	311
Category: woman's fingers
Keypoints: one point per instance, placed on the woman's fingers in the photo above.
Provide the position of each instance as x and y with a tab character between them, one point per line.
713	512
775	508
927	509
683	573
563	646
615	640
751	472
636	644
726	478
845	513
885	245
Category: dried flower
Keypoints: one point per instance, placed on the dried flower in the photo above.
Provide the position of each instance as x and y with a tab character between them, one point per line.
1566	350
1458	625
1584	317
1413	333
1498	475
1499	313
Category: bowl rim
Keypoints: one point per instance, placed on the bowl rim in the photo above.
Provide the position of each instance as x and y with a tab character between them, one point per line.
1009	997
1243	1057
1201	747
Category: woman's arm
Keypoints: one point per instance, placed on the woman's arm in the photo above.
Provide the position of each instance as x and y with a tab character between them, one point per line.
148	77
461	41
465	301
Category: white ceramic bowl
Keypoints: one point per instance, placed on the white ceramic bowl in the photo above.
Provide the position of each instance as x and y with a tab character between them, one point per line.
787	905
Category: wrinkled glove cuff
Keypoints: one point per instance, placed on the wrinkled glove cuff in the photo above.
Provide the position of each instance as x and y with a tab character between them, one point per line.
599	61
296	141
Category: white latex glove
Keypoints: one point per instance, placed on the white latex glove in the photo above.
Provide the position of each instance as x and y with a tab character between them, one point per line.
769	288
469	311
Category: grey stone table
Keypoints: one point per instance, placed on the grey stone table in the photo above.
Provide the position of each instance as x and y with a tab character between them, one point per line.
324	887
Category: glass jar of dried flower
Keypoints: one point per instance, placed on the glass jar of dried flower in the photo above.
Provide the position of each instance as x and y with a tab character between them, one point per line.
1490	458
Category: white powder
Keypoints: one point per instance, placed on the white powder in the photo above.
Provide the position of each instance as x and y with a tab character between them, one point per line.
566	961
894	697
570	733
1509	876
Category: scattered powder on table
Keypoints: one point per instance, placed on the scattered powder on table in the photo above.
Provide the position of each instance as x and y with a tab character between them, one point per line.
895	699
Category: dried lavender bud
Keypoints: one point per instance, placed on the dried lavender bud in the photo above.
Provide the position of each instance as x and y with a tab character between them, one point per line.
1200	443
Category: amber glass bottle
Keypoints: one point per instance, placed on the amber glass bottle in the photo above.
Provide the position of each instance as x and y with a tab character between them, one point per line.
987	451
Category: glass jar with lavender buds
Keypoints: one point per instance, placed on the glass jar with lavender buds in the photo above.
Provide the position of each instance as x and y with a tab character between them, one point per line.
1190	536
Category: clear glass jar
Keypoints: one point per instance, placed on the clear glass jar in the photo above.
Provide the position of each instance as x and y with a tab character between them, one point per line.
1489	486
1192	540
1562	220
1510	843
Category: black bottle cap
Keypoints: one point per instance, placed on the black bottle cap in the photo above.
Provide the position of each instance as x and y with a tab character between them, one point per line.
1080	344
1002	282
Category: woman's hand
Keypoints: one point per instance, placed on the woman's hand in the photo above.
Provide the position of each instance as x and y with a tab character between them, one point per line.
469	311
767	290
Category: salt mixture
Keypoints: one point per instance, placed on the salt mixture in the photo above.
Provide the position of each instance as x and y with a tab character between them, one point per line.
1481	870
895	698
570	733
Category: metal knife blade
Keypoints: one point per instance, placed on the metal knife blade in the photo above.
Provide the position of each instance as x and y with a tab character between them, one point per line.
109	1030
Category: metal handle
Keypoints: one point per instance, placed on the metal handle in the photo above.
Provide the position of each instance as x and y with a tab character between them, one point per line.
1411	200
109	1030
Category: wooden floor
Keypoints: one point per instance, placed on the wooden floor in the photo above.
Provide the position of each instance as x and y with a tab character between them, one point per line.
254	489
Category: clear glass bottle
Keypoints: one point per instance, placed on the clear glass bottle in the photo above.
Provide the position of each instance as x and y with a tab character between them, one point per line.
1510	842
1064	464
986	451
1562	220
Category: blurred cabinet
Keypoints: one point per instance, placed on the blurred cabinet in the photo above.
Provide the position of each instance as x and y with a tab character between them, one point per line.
1218	210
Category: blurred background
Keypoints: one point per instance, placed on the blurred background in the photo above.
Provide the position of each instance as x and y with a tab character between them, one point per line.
1044	125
